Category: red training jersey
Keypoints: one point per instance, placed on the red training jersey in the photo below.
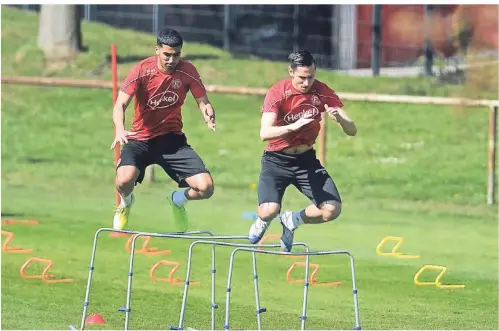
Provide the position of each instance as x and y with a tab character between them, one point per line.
290	105
159	96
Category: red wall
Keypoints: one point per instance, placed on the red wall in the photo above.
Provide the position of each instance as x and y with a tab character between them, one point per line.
402	27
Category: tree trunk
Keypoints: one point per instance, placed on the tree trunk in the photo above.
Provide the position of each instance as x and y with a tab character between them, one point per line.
59	33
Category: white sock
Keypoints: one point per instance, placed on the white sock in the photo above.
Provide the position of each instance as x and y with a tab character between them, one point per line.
126	201
179	198
297	220
260	223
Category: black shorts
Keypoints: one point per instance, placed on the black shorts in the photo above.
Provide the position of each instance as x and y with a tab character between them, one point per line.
170	151
304	171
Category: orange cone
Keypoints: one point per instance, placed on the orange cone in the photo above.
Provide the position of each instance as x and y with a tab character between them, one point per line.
95	319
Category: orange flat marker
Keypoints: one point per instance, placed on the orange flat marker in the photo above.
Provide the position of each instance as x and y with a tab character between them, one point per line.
312	280
172	280
145	249
24	222
44	276
12	249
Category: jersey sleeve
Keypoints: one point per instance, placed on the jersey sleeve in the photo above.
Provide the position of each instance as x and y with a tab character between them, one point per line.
272	101
196	84
132	81
330	98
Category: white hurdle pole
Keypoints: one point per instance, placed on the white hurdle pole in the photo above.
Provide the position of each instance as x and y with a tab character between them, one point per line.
92	263
303	316
255	276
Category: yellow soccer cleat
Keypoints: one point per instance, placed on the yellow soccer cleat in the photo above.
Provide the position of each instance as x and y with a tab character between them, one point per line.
121	215
179	214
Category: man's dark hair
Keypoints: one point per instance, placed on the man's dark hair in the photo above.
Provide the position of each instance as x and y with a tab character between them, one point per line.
169	37
302	58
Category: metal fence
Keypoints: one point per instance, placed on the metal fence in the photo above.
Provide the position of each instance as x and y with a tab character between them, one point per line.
267	31
342	37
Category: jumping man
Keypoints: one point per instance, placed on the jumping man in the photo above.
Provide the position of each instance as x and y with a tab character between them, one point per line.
160	84
290	122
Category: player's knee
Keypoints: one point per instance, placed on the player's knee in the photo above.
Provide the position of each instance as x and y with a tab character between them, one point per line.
330	210
207	190
268	211
124	180
205	187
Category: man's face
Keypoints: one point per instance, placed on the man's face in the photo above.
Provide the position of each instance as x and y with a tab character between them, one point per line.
168	57
302	78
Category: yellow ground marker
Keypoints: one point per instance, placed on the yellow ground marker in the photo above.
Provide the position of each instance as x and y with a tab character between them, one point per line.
437	283
394	252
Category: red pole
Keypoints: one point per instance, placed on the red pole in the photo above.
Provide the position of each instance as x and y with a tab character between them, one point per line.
491	173
322	140
114	72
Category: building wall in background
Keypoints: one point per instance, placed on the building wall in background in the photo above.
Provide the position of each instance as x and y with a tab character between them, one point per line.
403	31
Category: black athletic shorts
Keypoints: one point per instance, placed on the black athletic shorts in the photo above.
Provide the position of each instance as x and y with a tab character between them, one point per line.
170	151
304	171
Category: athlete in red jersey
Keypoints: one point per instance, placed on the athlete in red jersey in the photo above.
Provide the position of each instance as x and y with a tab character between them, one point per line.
160	85
290	122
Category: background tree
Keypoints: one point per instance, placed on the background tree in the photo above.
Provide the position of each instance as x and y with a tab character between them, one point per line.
59	33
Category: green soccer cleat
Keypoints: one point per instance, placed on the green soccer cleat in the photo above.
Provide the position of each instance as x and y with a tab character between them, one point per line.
121	215
179	214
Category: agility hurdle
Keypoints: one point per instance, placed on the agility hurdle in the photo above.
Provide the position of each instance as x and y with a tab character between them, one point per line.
259	310
303	317
214	306
92	260
192	235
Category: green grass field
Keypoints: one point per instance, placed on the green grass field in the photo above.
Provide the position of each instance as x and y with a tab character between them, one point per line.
418	172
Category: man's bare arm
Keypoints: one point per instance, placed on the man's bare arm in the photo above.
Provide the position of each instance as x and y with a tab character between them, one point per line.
119	110
268	131
120	106
340	116
207	110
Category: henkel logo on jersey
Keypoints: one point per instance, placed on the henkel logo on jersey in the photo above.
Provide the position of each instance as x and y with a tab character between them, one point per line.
303	110
163	100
